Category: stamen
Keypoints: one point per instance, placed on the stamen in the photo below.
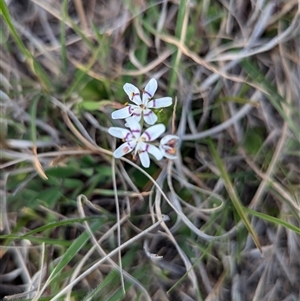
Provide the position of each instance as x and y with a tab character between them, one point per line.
133	95
171	151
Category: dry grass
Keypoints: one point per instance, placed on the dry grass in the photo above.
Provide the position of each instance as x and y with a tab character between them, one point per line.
222	222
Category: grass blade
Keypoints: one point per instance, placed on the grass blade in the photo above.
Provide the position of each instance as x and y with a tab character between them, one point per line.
233	195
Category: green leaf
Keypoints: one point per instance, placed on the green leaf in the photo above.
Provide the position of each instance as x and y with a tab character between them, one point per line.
112	280
253	140
53	225
233	195
87	171
71	252
49	196
271	92
30	60
272	219
73	183
62	172
94	105
176	57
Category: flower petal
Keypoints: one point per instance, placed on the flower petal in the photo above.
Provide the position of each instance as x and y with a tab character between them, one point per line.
160	103
119	132
168	146
124	149
137	112
122	113
145	160
136	118
149	117
134	126
155	152
153	132
149	90
170	140
133	93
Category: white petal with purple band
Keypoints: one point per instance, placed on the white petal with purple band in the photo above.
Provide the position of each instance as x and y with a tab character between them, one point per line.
118	132
124	149
137	142
159	103
122	113
133	93
155	152
153	132
149	90
134	126
142	107
149	117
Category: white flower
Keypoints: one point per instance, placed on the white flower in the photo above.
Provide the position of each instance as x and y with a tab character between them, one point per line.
134	140
142	106
168	146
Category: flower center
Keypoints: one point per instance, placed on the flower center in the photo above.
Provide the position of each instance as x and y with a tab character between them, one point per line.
139	139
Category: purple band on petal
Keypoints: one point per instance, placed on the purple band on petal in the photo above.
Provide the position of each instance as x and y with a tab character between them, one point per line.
127	136
133	95
136	114
154	103
127	149
130	110
148	135
150	112
147	93
146	148
135	131
130	147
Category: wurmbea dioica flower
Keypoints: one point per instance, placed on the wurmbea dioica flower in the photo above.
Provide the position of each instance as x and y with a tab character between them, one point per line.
142	107
134	140
168	146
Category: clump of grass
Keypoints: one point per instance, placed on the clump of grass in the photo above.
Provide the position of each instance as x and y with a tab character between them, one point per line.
219	223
